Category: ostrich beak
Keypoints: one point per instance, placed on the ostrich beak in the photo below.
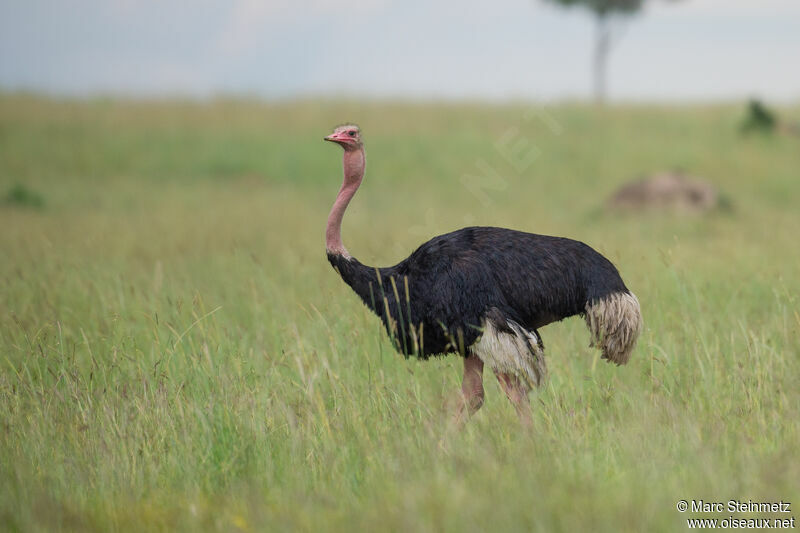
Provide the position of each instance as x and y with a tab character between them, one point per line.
338	137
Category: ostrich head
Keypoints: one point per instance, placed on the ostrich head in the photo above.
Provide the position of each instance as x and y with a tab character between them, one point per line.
348	136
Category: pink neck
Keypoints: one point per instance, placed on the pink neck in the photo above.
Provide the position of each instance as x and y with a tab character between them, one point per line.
354	162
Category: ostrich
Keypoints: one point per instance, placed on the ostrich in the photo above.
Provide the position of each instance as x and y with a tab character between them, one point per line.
483	292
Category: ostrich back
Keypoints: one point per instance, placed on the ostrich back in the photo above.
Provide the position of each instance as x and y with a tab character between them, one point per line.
437	299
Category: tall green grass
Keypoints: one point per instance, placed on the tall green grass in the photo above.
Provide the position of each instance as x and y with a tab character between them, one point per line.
176	353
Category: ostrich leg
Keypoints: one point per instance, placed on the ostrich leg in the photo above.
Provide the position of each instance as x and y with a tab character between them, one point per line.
471	389
517	392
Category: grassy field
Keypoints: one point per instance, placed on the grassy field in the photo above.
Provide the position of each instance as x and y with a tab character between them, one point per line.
177	354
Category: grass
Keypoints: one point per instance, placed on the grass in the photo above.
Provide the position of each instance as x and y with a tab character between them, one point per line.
19	195
176	353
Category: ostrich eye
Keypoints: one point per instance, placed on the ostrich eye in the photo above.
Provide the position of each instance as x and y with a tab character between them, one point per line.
351	133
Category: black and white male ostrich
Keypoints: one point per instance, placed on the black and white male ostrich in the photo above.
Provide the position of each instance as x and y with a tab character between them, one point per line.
483	292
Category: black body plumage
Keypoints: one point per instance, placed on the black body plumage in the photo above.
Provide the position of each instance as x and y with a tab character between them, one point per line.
436	300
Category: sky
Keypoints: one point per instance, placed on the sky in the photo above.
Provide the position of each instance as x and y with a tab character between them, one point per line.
472	49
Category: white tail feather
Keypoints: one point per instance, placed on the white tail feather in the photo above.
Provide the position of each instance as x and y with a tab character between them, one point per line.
615	323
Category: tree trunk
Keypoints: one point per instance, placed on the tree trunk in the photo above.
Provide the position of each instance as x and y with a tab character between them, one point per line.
602	45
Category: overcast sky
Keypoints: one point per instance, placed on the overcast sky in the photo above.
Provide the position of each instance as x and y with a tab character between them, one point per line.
694	49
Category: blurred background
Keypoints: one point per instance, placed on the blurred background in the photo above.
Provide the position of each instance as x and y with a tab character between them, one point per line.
177	354
529	49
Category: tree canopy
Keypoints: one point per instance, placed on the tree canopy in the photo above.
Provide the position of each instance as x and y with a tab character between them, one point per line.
604	7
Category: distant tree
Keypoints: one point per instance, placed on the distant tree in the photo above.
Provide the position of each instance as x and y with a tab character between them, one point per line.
604	12
759	118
